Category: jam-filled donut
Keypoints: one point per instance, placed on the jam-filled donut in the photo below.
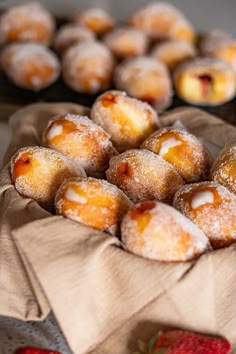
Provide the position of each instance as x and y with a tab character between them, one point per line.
127	120
161	21
143	175
29	22
146	79
92	202
157	231
183	150
205	81
82	140
224	168
69	35
37	173
212	207
126	42
87	67
219	44
30	65
173	52
96	20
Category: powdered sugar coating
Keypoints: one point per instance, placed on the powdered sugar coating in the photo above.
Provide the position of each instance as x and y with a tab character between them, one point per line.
146	79
182	29
81	140
186	153
95	19
30	65
173	52
157	231
224	168
127	120
216	216
26	22
222	81
143	175
93	202
126	42
69	35
155	19
219	44
38	172
87	67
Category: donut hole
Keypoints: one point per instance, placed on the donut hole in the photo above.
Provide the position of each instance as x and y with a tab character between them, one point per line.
124	170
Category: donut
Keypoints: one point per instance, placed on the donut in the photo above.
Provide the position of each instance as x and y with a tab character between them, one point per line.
93	202
29	22
127	120
183	150
205	81
80	139
146	79
159	232
126	42
143	175
69	35
87	67
212	208
224	168
161	20
30	65
37	173
95	19
173	52
219	44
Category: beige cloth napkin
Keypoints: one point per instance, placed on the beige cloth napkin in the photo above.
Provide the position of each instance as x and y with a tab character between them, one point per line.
104	298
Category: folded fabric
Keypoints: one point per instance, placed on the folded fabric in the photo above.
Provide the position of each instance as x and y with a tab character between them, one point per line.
103	297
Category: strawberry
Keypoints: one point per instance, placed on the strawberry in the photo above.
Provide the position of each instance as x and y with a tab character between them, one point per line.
32	350
183	342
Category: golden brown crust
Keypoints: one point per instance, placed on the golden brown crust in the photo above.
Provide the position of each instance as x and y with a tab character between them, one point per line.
183	150
224	168
157	231
127	120
95	203
212	207
38	172
78	138
143	175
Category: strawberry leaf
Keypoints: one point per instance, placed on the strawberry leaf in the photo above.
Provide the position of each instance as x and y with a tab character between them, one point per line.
160	351
153	341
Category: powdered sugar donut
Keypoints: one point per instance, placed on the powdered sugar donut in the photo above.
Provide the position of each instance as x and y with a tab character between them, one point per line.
143	175
219	44
157	231
38	172
183	150
212	207
224	168
205	81
126	42
87	67
30	65
82	140
127	120
26	22
173	52
162	20
96	20
146	79
95	203
69	35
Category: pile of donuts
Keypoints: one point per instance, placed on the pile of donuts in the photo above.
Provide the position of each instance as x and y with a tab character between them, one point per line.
119	171
154	51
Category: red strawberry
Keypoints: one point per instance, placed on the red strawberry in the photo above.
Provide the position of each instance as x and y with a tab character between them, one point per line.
182	342
31	350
